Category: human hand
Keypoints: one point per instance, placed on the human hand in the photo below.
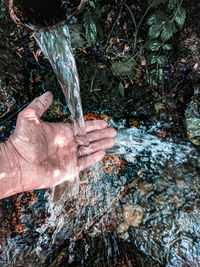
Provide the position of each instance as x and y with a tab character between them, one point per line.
48	153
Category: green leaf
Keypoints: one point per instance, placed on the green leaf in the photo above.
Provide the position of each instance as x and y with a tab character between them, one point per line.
172	4
151	59
153	78
158	2
157	18
168	30
92	4
160	75
153	45
90	27
180	17
156	77
121	89
158	106
162	60
167	47
154	31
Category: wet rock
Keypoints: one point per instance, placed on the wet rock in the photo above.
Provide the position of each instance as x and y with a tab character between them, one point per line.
14	90
133	214
192	118
124	235
145	188
122	228
13	82
55	112
181	184
168	231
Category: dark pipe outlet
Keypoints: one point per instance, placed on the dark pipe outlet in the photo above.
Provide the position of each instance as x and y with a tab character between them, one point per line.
40	14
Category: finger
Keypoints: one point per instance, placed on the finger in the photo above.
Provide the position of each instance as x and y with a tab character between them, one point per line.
82	140
95	125
95	146
87	161
41	103
101	134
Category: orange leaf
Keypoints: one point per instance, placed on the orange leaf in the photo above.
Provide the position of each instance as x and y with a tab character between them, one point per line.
125	26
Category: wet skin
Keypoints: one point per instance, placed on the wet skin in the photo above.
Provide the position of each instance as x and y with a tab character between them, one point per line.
41	155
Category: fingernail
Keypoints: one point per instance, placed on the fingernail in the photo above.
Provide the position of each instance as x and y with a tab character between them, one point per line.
48	94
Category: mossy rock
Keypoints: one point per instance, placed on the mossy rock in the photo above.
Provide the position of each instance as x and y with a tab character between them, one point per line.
120	68
192	116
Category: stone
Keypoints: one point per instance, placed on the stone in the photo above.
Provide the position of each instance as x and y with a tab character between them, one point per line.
133	214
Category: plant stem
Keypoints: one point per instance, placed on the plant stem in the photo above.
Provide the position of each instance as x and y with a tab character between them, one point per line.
138	27
132	16
177	10
113	26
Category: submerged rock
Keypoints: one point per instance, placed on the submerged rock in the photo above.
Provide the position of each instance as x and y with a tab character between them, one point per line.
133	214
149	200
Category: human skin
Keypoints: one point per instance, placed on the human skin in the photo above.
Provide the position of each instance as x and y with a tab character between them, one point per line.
41	155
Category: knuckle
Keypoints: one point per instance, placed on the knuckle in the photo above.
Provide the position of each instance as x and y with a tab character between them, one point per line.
93	147
81	151
27	112
40	103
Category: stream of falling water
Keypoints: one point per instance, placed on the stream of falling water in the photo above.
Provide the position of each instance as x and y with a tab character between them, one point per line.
156	185
56	46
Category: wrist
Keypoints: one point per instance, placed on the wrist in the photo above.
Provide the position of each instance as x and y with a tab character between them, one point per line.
10	172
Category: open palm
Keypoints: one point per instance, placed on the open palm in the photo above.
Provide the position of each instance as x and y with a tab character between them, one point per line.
48	153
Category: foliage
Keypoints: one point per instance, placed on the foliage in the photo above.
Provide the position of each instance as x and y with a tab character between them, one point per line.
91	24
121	89
162	27
90	27
77	38
2	9
151	42
159	101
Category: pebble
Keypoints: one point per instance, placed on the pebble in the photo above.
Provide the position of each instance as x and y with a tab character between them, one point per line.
133	214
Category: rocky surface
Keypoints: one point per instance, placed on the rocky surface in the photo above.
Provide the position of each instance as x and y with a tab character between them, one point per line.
192	117
156	196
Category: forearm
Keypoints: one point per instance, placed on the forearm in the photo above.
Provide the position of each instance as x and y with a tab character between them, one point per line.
9	171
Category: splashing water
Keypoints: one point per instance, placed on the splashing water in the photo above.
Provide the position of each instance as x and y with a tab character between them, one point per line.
156	182
162	192
167	186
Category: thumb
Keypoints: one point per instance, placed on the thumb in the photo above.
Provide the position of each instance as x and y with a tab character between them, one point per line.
41	103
